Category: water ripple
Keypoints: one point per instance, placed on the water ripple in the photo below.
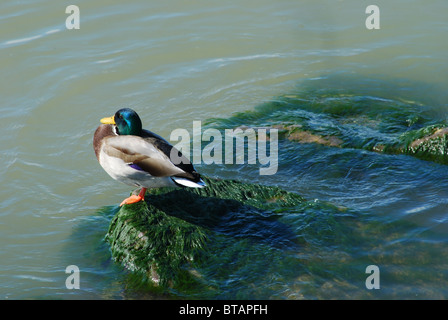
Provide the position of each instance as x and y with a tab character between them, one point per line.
15	42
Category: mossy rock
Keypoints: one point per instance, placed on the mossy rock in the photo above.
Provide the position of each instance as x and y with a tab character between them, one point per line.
163	239
341	120
428	143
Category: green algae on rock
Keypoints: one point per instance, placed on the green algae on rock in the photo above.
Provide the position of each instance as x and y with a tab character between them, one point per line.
164	239
248	241
153	244
428	143
344	120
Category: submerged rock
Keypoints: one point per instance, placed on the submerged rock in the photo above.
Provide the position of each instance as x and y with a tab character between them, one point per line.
308	137
428	143
297	134
350	121
163	239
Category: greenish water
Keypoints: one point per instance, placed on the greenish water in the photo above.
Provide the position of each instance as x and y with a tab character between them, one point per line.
228	64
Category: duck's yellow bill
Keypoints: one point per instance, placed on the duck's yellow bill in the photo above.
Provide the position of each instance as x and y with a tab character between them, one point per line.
109	120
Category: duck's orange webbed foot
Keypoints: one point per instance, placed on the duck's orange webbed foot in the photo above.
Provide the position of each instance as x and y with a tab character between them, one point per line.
131	199
134	198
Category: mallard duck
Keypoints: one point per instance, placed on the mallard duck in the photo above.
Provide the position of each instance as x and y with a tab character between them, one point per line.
139	157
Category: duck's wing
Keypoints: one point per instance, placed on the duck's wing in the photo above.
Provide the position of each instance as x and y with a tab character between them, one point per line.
141	154
190	178
175	156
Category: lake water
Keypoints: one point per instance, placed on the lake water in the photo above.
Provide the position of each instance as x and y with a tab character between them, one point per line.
176	62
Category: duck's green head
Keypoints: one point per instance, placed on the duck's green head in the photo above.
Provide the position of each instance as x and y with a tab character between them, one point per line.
126	121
